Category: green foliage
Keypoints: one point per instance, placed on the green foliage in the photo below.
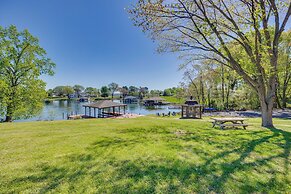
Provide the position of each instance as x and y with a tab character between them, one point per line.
112	87
143	91
284	69
156	93
174	99
92	92
63	91
133	91
22	61
167	92
78	89
143	155
50	93
238	34
104	91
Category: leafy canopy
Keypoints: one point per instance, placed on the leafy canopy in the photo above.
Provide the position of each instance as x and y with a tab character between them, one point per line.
22	61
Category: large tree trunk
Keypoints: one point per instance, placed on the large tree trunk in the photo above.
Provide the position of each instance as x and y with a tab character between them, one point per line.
267	111
8	114
8	119
202	89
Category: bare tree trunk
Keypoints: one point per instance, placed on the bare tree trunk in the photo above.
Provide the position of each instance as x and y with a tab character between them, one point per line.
9	114
202	90
208	97
222	86
267	110
8	119
227	98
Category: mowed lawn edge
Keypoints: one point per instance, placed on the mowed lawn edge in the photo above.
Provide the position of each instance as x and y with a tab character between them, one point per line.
143	155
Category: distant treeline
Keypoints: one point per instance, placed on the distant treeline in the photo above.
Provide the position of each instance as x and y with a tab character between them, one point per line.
111	90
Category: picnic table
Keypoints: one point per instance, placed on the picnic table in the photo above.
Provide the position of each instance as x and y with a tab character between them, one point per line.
229	122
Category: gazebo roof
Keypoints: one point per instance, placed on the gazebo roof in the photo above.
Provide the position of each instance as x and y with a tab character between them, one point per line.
104	104
155	99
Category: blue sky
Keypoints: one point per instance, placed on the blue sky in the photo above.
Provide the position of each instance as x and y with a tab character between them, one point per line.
93	43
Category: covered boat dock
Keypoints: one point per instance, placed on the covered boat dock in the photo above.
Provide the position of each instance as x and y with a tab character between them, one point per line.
155	101
104	109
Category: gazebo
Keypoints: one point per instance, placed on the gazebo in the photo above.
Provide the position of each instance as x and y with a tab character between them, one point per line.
105	108
191	110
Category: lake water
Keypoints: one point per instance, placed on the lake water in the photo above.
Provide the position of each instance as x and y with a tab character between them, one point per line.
55	110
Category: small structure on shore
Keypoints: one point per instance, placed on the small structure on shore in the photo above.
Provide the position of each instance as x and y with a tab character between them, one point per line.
83	99
130	100
191	109
154	101
104	108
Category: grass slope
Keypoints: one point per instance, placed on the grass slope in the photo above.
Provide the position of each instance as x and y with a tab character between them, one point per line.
173	99
143	155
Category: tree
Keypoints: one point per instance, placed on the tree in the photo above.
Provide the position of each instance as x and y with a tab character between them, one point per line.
143	91
104	91
133	90
213	27
284	69
156	92
22	61
92	92
63	91
124	91
113	88
78	89
167	92
211	84
50	92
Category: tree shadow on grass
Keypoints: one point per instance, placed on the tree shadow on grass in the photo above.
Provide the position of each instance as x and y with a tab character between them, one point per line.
240	164
163	174
286	147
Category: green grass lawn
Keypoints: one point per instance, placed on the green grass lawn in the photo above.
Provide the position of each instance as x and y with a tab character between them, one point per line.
143	155
173	99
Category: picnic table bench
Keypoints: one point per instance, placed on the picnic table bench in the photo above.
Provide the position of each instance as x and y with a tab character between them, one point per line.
229	122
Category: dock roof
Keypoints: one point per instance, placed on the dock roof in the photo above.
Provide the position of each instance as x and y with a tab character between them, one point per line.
104	104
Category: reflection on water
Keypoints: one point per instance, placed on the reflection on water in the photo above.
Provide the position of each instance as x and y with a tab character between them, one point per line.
56	110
